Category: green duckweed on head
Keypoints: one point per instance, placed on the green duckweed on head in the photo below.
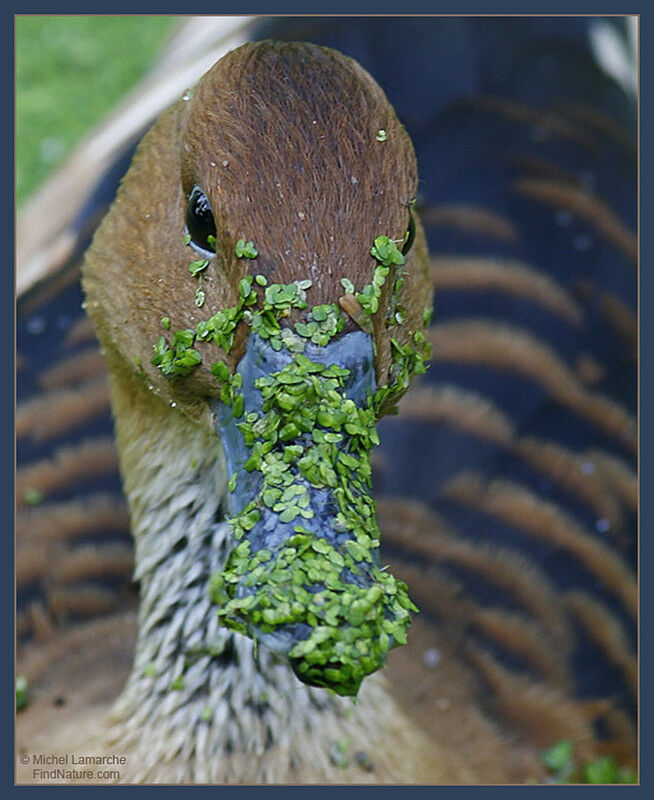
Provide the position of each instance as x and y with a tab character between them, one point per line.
196	267
245	249
308	435
181	358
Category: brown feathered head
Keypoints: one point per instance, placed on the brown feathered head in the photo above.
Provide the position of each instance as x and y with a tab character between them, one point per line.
262	269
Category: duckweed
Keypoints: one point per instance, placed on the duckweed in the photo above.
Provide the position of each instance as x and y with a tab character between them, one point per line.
309	435
196	267
150	670
560	762
33	497
245	249
181	358
386	252
338	753
22	692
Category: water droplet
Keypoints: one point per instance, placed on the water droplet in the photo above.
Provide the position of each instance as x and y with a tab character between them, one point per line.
588	180
354	180
35	326
225	162
603	525
173	405
582	242
301	214
188	94
431	657
213	163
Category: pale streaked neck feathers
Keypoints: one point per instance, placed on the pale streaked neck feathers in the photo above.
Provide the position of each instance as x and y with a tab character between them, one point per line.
233	715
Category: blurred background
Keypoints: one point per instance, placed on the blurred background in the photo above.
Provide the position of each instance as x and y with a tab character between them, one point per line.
507	487
69	72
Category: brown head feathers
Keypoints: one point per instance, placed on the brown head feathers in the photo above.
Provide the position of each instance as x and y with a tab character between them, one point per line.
284	140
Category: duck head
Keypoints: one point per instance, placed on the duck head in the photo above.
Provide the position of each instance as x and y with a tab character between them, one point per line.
264	274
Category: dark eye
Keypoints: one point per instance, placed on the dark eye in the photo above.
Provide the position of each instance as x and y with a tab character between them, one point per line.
200	223
410	235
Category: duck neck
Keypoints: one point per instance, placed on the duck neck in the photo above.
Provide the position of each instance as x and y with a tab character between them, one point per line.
201	704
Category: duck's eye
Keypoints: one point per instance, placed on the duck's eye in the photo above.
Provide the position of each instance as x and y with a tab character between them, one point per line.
200	223
409	236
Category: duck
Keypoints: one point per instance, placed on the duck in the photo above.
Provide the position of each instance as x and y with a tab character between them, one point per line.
224	273
256	143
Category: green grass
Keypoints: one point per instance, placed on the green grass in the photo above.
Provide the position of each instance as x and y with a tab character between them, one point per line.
70	71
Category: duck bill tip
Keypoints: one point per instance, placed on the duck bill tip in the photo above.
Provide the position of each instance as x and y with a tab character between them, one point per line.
303	577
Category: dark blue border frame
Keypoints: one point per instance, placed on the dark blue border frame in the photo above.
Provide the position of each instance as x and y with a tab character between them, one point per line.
337	7
342	7
8	334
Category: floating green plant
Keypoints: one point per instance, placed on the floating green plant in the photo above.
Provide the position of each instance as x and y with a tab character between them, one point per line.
560	762
22	692
308	435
